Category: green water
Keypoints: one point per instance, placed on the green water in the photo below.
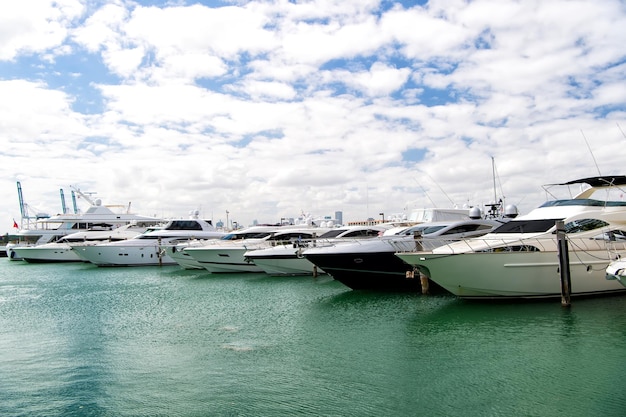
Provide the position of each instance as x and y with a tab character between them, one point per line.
86	341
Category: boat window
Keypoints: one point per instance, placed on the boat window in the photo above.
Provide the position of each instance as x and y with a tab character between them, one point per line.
412	230
432	229
362	233
526	226
584	202
512	248
332	233
612	235
257	235
231	236
184	225
94	226
289	236
584	225
249	235
466	228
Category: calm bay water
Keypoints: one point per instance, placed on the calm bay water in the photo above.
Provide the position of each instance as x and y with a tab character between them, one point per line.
86	341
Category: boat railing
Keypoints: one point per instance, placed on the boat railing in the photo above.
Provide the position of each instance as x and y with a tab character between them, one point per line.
497	245
328	242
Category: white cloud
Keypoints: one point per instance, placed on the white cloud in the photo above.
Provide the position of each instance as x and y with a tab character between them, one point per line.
267	108
272	89
35	26
380	80
101	30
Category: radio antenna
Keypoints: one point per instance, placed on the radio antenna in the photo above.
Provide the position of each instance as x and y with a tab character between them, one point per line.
442	190
591	152
620	129
425	193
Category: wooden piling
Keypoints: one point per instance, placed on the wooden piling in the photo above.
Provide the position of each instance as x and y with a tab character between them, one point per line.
424	283
564	271
159	251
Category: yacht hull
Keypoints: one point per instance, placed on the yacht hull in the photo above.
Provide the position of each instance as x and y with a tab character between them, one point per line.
223	259
382	271
184	260
103	255
10	252
49	254
283	261
510	275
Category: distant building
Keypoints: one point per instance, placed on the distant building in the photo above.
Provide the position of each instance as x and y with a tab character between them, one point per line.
339	217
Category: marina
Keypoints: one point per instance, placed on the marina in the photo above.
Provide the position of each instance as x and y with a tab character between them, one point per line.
78	340
293	208
174	331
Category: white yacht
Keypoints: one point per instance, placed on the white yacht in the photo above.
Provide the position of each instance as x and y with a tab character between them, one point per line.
61	250
288	260
227	256
176	250
520	259
46	229
148	248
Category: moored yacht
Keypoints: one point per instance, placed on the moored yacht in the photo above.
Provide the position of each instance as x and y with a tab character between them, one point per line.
520	258
371	264
61	250
288	260
228	256
148	248
45	229
176	250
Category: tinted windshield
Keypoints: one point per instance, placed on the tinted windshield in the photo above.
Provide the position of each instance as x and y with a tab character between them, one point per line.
184	225
250	235
332	233
432	229
526	226
584	225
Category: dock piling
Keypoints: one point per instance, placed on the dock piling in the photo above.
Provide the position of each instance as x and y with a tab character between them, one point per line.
564	271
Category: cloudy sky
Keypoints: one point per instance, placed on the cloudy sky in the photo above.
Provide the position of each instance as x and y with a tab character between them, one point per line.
270	108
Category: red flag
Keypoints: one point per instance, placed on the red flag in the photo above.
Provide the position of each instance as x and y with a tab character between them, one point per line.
15	224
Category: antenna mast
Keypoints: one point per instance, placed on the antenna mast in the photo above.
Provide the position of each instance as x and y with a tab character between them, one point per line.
493	173
591	152
442	190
